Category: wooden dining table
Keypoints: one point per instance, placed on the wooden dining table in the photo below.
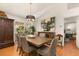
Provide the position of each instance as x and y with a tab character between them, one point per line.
38	41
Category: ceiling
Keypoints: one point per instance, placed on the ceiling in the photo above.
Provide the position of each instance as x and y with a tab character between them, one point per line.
72	5
22	9
38	9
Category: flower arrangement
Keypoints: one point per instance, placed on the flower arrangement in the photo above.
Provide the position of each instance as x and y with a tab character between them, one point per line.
21	29
31	30
48	24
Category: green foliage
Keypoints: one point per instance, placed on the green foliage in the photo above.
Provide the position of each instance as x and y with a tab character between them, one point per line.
48	25
31	30
21	29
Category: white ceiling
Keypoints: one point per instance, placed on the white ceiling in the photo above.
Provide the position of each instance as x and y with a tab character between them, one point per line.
72	5
38	9
22	9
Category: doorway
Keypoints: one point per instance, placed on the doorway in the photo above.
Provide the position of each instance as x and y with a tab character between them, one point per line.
70	29
70	36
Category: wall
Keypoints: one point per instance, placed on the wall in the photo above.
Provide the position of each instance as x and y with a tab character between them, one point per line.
77	32
46	13
70	20
38	25
61	11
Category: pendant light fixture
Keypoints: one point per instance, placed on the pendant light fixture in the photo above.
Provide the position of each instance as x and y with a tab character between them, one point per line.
30	17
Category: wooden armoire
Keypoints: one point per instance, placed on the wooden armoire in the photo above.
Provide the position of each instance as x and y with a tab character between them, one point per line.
6	32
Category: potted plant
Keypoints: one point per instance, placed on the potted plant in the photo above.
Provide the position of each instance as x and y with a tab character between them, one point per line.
31	31
21	29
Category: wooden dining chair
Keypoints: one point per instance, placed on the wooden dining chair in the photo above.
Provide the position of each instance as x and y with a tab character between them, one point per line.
59	38
18	43
48	50
26	47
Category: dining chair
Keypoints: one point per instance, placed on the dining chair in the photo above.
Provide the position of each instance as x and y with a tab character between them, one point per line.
26	47
48	50
59	39
18	43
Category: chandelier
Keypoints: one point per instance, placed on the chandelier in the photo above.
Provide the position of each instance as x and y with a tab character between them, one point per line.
30	17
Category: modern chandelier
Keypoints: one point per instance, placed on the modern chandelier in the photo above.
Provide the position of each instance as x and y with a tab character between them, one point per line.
30	17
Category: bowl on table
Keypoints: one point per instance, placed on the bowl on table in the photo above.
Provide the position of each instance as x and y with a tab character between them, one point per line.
31	36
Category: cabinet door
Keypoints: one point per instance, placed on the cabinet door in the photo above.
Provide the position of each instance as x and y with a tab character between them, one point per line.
1	30
8	30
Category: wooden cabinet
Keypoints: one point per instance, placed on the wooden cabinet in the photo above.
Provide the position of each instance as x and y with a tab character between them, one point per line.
48	34
6	32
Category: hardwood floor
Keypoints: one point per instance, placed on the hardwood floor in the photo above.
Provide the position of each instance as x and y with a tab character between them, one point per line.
11	51
59	51
69	49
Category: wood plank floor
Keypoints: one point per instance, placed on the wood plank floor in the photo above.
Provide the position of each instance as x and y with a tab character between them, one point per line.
11	51
69	49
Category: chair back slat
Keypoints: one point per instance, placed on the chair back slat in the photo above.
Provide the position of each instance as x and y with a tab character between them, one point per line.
18	40
25	44
52	49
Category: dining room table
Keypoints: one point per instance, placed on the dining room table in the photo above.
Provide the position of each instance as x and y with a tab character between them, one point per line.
38	41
